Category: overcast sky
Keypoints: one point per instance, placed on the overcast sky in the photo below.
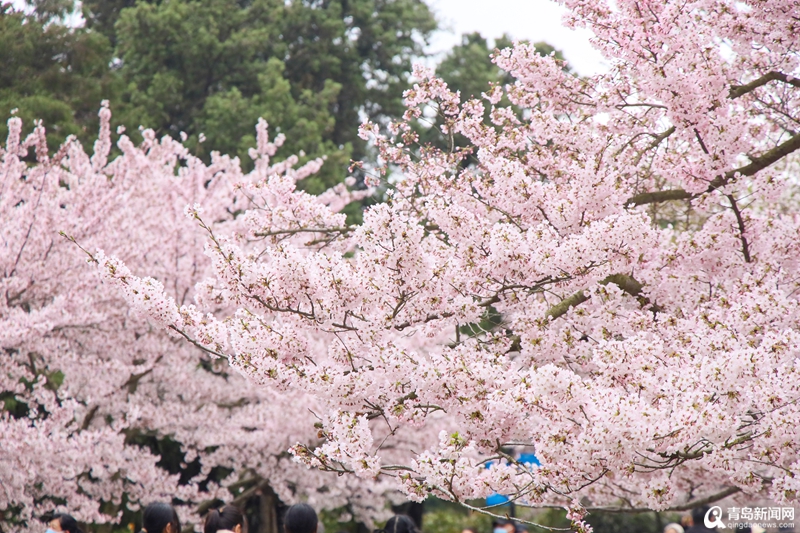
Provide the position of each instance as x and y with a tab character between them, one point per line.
537	20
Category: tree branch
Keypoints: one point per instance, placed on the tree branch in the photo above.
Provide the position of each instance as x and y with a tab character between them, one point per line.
188	338
756	164
87	420
740	90
625	282
683	507
259	485
740	222
659	196
341	230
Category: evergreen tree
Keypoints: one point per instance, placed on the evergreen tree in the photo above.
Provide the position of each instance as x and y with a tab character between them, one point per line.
469	69
313	69
53	72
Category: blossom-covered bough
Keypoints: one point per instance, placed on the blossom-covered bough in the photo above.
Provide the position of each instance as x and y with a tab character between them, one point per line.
633	237
86	384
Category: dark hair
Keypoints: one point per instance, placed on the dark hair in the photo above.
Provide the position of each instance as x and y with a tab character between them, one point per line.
67	522
699	513
300	518
226	518
400	523
158	515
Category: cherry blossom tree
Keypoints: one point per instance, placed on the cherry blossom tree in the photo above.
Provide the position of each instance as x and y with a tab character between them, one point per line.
614	284
87	383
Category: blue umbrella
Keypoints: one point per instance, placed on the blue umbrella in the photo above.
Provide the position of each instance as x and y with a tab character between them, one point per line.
527	459
496	499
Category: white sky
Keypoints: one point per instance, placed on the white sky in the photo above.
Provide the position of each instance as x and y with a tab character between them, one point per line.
537	20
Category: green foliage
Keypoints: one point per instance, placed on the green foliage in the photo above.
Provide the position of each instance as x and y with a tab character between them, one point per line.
312	69
12	405
367	46
468	69
52	72
54	380
102	15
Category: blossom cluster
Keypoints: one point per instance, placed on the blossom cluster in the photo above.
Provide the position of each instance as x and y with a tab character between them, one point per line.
606	274
613	283
88	382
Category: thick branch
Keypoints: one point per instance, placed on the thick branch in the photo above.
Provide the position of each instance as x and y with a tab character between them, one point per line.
133	382
740	222
761	162
659	196
757	163
740	90
625	282
87	420
262	485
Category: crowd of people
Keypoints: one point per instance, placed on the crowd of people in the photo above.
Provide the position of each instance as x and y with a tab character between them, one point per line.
159	517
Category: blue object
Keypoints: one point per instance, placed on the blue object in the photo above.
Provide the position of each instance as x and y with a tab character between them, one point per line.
529	459
496	499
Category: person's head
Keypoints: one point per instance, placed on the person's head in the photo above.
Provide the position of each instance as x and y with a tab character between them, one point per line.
468	530
699	513
63	522
400	523
228	518
686	521
300	518
673	528
503	526
160	517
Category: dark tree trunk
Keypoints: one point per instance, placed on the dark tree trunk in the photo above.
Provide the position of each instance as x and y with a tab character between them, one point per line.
264	511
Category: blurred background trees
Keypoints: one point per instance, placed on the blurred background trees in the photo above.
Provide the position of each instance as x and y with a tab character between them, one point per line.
53	72
314	69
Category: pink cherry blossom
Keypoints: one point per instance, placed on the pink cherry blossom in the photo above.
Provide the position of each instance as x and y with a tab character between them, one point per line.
613	283
93	372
